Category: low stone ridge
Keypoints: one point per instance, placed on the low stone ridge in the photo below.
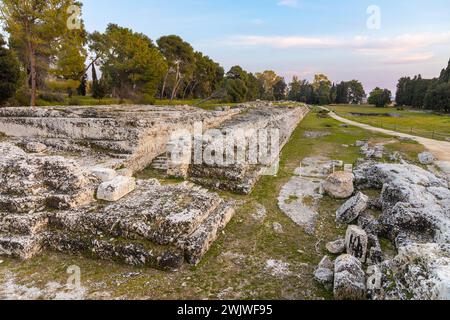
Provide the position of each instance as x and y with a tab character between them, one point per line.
156	225
131	135
241	176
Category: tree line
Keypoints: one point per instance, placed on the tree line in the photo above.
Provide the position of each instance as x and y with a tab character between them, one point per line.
430	94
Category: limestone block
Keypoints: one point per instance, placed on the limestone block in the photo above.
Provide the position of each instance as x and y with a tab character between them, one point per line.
351	210
105	174
357	241
116	189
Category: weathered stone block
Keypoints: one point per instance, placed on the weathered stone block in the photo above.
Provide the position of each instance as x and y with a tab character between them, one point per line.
116	189
351	210
349	279
357	241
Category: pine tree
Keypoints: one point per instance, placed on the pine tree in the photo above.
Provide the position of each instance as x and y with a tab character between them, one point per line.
10	73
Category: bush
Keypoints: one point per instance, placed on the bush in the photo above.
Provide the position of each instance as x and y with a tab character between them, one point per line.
51	97
74	101
145	99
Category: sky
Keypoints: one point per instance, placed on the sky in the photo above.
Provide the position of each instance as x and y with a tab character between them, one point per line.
376	42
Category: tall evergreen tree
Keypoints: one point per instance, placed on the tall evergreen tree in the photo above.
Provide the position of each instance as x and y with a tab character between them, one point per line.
9	74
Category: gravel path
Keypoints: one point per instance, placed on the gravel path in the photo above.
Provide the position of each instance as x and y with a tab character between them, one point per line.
440	149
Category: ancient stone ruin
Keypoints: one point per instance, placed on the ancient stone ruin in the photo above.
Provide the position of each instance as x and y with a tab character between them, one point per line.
67	180
412	214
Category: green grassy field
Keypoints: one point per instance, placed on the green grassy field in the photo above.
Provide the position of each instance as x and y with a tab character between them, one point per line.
234	268
419	123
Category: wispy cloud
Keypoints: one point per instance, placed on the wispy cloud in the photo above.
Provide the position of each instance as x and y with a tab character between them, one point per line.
406	48
413	58
288	3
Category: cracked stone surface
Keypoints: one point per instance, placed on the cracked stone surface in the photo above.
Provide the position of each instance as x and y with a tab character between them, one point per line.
300	197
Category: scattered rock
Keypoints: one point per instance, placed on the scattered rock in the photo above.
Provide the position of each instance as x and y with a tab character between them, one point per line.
278	228
349	279
316	134
415	203
427	158
277	268
360	144
324	273
116	189
356	241
339	185
35	147
336	247
351	210
261	213
419	272
326	263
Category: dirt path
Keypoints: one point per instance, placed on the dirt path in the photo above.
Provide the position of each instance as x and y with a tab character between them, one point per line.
440	149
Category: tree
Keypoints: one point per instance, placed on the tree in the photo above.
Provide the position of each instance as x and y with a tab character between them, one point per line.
438	98
236	90
36	28
267	80
180	59
356	92
206	77
130	62
380	97
98	88
10	73
322	87
279	89
342	90
82	88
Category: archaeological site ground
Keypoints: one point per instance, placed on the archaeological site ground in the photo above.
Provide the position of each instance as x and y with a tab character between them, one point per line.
224	158
347	214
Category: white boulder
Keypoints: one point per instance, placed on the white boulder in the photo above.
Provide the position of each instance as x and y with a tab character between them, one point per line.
339	185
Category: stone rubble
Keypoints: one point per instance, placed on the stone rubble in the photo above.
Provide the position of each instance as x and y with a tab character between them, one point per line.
351	210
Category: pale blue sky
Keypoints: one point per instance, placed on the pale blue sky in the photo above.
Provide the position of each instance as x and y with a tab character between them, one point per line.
297	37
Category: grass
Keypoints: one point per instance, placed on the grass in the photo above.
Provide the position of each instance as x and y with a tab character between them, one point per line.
234	266
419	123
89	101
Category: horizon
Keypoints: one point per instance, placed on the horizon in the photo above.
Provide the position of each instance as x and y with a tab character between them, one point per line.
298	38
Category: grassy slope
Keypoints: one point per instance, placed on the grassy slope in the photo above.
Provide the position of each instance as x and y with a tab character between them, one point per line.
251	243
422	123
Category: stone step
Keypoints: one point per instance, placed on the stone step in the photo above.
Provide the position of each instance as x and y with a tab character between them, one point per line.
24	224
198	243
131	252
20	246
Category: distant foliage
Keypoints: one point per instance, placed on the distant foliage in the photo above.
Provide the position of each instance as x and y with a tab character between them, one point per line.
380	97
430	94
